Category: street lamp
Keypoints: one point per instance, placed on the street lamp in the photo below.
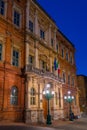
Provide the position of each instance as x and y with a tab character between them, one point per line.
69	98
48	94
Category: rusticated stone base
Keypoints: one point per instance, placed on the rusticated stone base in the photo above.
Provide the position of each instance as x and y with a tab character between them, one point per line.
34	116
57	114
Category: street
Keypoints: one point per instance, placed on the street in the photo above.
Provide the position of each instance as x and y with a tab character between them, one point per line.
79	124
13	127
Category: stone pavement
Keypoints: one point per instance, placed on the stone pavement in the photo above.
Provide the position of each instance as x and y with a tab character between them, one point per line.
54	124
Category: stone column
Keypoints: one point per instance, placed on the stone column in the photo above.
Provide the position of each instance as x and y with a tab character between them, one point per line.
36	23
27	13
36	55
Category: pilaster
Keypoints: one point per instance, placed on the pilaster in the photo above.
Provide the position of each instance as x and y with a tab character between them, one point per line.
36	22
55	39
27	50
36	55
49	33
27	13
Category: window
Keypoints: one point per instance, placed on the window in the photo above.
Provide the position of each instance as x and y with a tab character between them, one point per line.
57	47
15	58
67	56
32	96
0	51
69	79
43	64
52	42
31	26
71	59
64	77
42	34
31	59
14	96
62	53
16	18
18	0
2	7
72	81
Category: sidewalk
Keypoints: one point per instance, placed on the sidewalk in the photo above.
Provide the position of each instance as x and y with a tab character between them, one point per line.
54	123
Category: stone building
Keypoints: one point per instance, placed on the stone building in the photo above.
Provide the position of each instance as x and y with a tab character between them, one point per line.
82	86
30	44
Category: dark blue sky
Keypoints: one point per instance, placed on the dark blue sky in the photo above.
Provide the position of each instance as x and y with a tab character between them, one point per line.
71	19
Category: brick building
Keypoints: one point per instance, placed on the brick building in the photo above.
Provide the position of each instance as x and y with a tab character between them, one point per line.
30	42
82	86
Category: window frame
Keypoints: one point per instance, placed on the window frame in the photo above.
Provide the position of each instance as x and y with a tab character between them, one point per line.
62	53
68	79
73	81
15	59
57	47
16	20
31	26
32	96
52	42
2	8
42	34
1	51
64	77
31	58
17	9
67	56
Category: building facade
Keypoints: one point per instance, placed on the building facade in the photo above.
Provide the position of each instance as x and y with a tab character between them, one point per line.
82	86
30	45
11	60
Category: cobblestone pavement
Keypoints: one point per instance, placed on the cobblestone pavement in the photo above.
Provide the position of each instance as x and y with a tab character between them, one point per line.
79	124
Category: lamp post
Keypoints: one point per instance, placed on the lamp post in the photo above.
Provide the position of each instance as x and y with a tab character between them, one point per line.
48	94
69	98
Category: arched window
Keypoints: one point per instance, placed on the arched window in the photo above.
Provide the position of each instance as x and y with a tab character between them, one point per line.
32	96
14	96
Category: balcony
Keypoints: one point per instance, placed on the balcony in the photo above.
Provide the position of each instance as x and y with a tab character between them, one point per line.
42	73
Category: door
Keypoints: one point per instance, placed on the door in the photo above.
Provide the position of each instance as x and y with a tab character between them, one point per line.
45	107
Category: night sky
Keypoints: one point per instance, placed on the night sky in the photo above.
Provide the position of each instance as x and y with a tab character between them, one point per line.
71	18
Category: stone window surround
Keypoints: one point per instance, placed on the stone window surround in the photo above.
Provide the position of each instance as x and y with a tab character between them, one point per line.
3	51
18	9
5	9
13	95
33	96
18	49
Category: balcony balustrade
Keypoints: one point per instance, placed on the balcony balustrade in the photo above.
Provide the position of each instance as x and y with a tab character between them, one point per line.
42	73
